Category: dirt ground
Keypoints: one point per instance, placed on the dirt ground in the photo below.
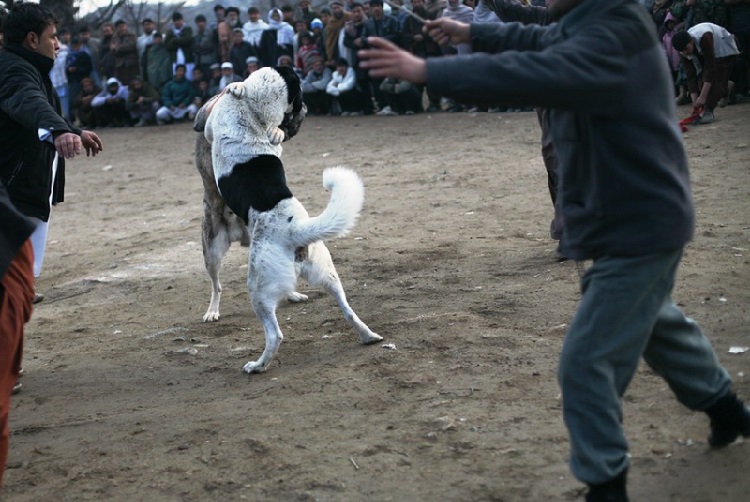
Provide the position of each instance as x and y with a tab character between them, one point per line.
128	395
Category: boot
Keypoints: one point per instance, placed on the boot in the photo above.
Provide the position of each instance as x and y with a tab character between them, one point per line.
611	491
730	418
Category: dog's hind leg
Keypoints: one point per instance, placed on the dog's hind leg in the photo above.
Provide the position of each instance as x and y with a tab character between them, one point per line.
266	312
216	242
319	271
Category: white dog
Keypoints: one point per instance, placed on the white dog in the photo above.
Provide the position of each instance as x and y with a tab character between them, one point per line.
245	129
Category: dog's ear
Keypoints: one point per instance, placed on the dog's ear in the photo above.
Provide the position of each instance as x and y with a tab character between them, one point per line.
199	124
292	121
293	86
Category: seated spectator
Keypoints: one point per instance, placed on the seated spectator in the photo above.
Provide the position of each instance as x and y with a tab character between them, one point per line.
285	60
110	105
314	88
401	97
228	75
200	87
177	98
307	53
343	87
143	102
83	112
215	79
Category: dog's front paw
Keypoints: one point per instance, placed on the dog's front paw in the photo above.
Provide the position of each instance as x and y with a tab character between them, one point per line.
275	135
211	316
254	367
297	297
236	89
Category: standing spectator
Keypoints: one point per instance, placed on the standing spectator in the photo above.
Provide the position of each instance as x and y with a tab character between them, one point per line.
110	105
333	34
457	11
284	31
82	109
177	99
146	38
220	15
414	40
157	63
707	51
355	38
254	27
701	11
58	75
233	17
143	102
127	64
79	66
16	298
205	45
385	26
304	12
35	140
179	43
343	88
671	26
91	46
223	32
314	88
240	51
739	26
629	209
106	61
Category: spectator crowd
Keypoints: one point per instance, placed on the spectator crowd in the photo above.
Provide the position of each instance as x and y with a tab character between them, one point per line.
162	76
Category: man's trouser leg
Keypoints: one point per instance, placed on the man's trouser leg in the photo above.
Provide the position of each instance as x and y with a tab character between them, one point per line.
16	296
626	310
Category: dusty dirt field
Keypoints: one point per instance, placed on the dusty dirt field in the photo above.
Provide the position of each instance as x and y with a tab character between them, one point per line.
129	396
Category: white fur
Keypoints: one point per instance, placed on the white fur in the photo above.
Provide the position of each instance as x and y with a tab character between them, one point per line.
285	242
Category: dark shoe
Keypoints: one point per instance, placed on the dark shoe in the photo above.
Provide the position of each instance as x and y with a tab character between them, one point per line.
38	297
611	491
730	419
559	256
17	387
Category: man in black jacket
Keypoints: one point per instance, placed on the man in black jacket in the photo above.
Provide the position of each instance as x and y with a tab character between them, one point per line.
626	203
35	140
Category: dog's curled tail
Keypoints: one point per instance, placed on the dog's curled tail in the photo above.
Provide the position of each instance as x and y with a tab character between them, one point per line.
342	211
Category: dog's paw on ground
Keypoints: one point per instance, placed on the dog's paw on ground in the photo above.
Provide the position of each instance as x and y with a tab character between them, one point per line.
254	367
211	316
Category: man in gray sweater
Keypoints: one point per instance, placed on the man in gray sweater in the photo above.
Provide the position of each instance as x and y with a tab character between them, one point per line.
626	204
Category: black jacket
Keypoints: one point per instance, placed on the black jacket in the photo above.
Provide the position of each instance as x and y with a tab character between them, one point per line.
28	102
624	184
14	230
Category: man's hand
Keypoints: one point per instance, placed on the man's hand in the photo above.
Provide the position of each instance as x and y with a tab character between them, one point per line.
447	31
92	143
384	59
67	144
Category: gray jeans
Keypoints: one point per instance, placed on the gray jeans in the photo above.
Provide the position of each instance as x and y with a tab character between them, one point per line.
626	312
